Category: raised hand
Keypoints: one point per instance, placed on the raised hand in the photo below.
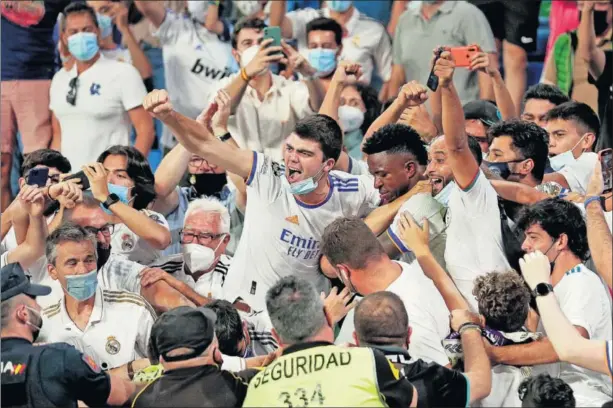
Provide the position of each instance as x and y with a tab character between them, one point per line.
97	176
415	237
119	15
481	62
32	200
347	73
413	94
596	185
444	67
296	61
535	268
418	118
219	122
66	192
264	57
157	103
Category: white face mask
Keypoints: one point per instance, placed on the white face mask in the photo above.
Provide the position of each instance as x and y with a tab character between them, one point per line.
248	55
351	118
567	158
199	258
443	195
197	9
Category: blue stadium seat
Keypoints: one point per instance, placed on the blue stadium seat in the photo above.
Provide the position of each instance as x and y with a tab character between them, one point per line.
155	157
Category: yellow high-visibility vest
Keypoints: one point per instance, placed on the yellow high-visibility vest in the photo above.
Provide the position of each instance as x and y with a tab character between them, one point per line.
320	376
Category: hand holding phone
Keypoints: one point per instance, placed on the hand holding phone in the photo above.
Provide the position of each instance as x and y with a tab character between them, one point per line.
463	55
432	82
38	176
606	164
83	180
273	33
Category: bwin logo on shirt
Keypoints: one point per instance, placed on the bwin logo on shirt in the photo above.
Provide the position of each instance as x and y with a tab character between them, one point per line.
299	247
209	72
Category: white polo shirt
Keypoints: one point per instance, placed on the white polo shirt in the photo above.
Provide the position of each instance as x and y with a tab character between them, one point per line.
578	173
287	233
428	315
117	274
105	94
118	330
126	244
262	125
474	237
209	284
195	60
585	302
365	41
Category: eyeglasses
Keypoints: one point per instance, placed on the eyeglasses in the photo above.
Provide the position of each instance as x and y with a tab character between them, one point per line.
106	230
203	238
71	96
198	161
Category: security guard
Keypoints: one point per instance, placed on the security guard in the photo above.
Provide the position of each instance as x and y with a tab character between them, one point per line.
314	372
54	375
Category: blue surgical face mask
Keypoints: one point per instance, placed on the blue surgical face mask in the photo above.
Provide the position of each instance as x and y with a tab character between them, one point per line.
323	60
121	192
83	46
106	25
82	287
558	162
339	5
305	186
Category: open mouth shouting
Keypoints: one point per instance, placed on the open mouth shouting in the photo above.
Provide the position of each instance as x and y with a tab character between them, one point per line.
293	174
437	183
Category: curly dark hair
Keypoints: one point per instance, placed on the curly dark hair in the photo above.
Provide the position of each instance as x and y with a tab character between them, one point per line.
557	217
528	139
397	138
503	299
228	326
545	391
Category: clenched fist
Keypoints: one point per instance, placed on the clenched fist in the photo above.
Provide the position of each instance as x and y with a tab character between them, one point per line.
157	103
413	94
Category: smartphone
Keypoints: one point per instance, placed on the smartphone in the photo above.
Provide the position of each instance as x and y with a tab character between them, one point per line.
462	55
275	34
432	82
38	176
606	163
83	180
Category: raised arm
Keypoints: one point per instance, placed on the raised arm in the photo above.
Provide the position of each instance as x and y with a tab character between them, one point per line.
277	18
517	192
119	14
33	247
567	342
196	138
598	232
153	10
417	239
482	62
586	47
212	22
463	164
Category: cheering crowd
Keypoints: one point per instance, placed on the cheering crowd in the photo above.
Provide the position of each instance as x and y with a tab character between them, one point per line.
343	214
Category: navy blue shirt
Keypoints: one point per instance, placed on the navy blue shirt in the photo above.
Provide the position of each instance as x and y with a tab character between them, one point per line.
28	48
60	375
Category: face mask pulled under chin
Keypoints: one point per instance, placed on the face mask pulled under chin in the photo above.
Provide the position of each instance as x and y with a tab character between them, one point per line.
443	196
562	160
82	287
305	186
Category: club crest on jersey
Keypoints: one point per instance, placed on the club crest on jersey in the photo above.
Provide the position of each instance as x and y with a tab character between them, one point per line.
112	345
127	242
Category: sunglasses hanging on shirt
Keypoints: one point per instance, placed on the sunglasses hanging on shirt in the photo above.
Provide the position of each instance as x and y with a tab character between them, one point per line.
71	96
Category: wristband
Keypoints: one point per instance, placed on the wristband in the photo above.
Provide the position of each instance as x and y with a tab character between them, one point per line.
130	370
244	75
590	199
468	326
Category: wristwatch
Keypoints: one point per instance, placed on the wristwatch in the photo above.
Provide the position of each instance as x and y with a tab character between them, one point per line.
542	289
110	200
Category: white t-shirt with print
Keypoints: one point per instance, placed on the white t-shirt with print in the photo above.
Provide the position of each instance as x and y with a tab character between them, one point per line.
474	237
126	244
428	315
283	236
118	330
366	42
105	93
585	301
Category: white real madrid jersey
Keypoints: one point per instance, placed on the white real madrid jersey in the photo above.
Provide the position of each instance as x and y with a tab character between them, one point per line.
128	245
286	232
117	332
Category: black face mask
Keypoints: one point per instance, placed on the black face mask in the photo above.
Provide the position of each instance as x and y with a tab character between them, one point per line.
103	255
600	22
208	184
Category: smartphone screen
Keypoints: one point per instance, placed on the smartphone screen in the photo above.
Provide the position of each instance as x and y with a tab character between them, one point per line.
38	176
274	33
606	162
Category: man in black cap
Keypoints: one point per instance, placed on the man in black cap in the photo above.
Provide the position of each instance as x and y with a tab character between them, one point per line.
53	375
479	116
183	340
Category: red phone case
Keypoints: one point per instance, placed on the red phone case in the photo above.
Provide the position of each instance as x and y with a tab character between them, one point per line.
462	55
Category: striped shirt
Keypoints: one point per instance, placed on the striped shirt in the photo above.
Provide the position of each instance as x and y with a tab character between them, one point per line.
209	284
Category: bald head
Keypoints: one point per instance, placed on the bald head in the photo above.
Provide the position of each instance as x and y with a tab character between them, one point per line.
381	319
